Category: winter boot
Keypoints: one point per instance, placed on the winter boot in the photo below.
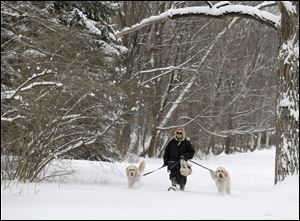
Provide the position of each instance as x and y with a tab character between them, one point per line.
173	182
182	184
182	187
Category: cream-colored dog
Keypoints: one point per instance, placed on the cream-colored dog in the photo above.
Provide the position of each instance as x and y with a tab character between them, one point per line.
222	180
134	173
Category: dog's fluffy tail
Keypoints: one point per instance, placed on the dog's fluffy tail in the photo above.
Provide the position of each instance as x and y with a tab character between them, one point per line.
142	166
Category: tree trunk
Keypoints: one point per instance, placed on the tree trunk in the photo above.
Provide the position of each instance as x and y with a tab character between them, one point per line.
258	141
123	140
267	139
287	150
252	147
152	146
229	138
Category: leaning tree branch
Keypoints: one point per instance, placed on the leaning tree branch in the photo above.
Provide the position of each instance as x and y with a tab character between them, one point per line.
215	11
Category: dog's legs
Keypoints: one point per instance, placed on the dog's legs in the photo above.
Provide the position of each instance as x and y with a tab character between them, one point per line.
130	183
228	190
222	189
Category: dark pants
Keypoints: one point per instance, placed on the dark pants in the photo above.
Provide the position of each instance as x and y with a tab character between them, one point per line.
181	180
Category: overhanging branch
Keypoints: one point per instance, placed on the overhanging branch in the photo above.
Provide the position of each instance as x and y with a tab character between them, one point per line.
228	10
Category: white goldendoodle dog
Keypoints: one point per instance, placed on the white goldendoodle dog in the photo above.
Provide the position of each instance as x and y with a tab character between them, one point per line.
134	173
222	180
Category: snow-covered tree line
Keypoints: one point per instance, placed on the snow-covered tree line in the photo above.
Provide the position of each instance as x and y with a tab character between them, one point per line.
73	87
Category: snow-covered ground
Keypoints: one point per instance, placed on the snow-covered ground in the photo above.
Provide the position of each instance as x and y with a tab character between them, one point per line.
98	190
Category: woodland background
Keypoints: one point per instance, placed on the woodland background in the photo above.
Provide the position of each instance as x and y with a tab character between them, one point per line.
70	89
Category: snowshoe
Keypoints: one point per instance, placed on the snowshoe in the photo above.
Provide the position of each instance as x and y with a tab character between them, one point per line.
171	188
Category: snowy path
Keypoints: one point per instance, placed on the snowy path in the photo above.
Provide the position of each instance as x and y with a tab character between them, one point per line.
99	191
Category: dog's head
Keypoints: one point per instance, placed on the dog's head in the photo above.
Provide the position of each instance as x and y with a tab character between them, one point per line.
221	173
131	171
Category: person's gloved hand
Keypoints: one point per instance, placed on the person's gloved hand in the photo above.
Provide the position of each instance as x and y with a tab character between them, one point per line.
183	157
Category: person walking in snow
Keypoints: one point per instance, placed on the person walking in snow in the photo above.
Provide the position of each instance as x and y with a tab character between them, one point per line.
178	150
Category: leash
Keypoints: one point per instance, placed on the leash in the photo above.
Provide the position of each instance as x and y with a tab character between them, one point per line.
154	170
145	174
174	165
201	165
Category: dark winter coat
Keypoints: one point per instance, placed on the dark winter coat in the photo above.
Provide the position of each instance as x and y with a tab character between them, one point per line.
175	149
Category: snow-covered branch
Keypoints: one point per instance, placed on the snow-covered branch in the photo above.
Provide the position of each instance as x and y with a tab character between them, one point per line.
231	10
265	4
251	130
180	66
10	119
89	24
108	127
181	125
12	93
97	29
34	84
176	103
209	132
